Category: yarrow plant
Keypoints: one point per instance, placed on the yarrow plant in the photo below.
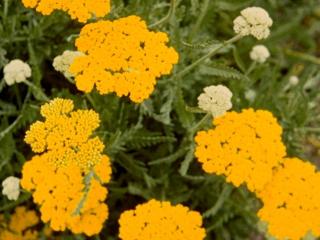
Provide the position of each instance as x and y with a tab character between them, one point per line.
63	62
65	135
16	71
245	147
20	225
11	188
122	56
215	100
253	21
158	190
259	53
56	177
161	220
82	10
290	199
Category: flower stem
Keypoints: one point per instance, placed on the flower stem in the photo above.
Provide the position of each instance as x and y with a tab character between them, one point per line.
226	191
167	17
208	55
87	182
37	90
200	123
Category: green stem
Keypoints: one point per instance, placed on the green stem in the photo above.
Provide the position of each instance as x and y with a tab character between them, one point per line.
37	90
20	200
251	68
8	129
200	123
226	191
5	9
303	56
200	19
87	182
208	55
167	17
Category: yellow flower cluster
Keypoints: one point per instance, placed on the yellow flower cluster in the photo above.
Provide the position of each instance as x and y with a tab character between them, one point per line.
161	220
77	9
19	226
66	178
291	201
245	147
61	194
122	56
65	135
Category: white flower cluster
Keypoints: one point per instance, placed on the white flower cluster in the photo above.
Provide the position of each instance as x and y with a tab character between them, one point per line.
11	187
293	80
16	71
253	21
215	100
259	53
62	62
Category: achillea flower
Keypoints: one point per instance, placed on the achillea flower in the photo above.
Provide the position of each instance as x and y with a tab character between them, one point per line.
293	80
259	53
215	100
253	21
161	220
64	137
16	71
60	193
80	9
11	188
19	226
245	147
122	56
62	62
291	201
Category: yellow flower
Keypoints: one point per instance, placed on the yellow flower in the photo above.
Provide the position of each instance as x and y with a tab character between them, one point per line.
61	194
291	201
64	136
18	228
122	56
244	147
161	220
79	9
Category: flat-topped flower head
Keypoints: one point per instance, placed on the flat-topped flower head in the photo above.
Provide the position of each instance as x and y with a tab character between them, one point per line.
82	10
259	53
16	71
253	21
62	62
65	136
161	220
60	193
244	147
291	201
20	225
215	100
122	56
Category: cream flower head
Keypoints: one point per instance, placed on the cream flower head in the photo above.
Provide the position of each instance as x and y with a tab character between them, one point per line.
62	62
293	80
11	187
215	100
16	71
253	21
259	53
